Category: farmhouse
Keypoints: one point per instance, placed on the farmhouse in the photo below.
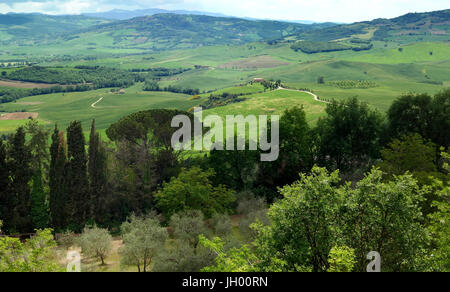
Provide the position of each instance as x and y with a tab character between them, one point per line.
258	80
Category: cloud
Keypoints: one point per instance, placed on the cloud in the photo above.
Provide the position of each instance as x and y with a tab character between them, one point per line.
318	10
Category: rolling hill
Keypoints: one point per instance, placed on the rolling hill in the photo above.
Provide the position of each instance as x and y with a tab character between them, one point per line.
169	31
429	26
119	14
27	27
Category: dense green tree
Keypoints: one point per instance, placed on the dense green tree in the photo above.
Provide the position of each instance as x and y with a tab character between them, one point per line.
422	114
236	169
317	215
386	217
38	145
77	179
39	204
97	175
305	222
411	153
192	190
4	182
21	174
35	255
58	199
349	136
295	153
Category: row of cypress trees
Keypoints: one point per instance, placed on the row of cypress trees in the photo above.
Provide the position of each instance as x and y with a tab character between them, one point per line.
61	188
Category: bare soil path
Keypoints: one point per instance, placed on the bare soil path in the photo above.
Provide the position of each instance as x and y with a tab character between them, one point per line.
316	98
95	103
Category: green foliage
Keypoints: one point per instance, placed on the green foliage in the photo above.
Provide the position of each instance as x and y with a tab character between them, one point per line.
96	243
35	255
181	257
58	198
234	260
295	151
97	171
192	190
188	225
422	114
349	84
386	217
99	77
349	135
222	225
4	182
18	206
342	259
310	47
77	180
304	223
39	206
317	215
143	239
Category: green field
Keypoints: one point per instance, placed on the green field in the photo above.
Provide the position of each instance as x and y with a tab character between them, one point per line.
272	103
63	108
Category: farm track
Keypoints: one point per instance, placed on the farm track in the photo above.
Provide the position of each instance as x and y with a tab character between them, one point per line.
95	103
316	98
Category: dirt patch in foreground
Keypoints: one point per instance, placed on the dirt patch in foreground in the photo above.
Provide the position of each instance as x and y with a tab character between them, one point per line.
18	116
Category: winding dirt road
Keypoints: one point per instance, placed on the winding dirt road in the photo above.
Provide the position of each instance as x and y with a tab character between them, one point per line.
95	103
316	98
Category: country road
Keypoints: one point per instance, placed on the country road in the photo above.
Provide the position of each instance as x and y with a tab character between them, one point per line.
95	103
316	98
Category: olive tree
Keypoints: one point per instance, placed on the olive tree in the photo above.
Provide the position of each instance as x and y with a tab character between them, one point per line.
95	242
143	238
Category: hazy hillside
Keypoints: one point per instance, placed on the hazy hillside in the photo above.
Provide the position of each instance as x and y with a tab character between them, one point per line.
431	26
30	26
119	14
165	31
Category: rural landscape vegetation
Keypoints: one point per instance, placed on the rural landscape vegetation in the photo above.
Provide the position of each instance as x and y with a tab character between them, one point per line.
87	165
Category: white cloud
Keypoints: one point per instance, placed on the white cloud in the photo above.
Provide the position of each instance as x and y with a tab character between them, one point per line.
318	10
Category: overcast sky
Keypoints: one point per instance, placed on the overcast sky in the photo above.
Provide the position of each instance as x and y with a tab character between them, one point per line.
316	10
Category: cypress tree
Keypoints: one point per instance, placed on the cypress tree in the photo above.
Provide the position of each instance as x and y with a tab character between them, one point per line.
77	180
97	175
21	174
39	207
59	203
4	185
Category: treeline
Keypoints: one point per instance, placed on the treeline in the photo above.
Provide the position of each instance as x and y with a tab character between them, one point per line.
349	84
398	159
161	71
152	85
8	94
99	77
222	100
310	47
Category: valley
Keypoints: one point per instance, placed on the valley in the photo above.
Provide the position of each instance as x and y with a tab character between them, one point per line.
348	134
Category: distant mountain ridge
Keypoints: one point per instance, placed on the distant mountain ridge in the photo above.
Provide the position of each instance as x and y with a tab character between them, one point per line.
119	14
163	31
430	26
18	26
